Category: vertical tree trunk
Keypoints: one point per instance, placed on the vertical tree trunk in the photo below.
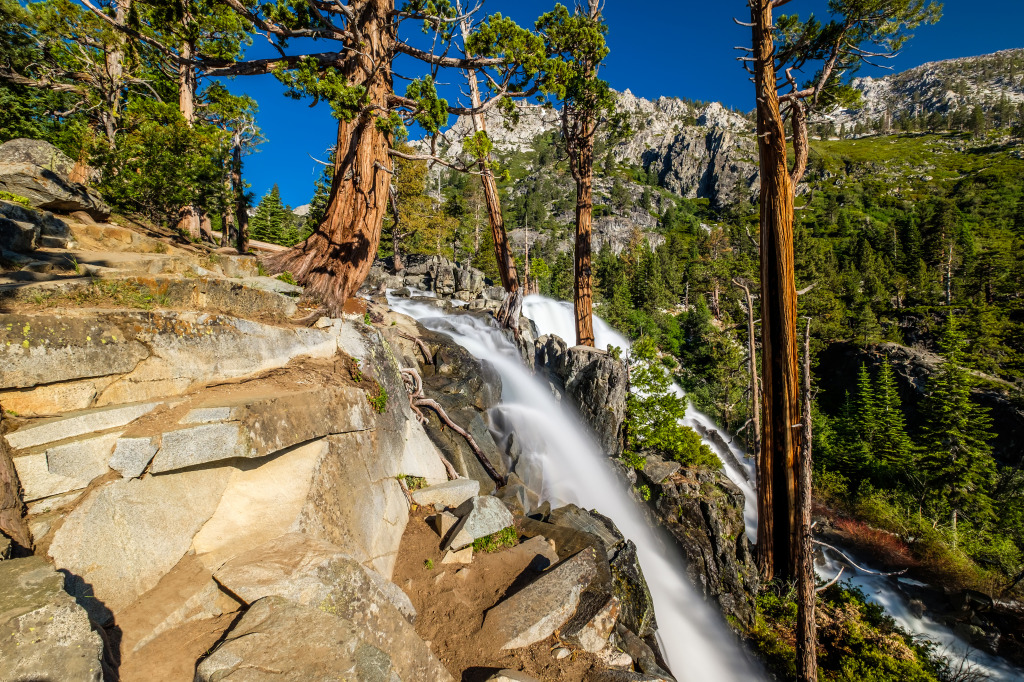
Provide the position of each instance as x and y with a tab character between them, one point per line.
755	385
806	628
189	219
776	537
238	190
502	250
334	261
583	294
396	235
114	63
12	508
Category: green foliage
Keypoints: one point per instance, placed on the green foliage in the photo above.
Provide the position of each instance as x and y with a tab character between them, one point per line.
273	222
654	411
15	198
287	278
412	482
856	641
495	542
379	400
307	79
428	564
161	164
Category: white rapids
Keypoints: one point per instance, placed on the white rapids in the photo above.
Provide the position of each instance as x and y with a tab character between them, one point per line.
562	462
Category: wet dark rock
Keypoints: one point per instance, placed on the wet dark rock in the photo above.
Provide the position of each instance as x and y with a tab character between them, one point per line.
594	381
630	587
703	510
571	516
645	658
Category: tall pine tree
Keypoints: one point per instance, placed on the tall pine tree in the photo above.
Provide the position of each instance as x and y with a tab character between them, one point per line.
892	449
957	462
271	221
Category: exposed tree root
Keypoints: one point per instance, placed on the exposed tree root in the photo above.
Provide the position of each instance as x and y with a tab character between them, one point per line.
423	347
418	400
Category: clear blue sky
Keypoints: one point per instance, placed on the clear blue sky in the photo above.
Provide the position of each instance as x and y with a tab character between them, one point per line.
678	48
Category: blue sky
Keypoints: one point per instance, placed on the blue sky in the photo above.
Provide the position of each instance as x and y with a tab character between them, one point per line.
672	48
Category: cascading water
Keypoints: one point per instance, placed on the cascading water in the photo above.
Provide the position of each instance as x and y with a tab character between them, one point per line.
556	317
561	461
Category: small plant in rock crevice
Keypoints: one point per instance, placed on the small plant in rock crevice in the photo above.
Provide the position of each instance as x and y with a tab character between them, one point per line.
412	482
429	564
506	537
379	400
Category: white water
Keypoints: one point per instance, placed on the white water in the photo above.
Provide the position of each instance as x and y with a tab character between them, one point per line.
561	460
556	317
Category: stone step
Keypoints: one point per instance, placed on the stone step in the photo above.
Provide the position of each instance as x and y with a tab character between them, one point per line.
82	359
69	426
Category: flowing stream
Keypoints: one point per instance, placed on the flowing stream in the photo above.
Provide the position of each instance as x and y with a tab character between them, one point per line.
562	462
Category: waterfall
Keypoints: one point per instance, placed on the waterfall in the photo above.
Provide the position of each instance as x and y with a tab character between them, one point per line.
562	462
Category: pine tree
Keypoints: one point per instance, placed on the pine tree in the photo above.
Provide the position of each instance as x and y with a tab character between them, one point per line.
957	464
865	417
892	447
270	222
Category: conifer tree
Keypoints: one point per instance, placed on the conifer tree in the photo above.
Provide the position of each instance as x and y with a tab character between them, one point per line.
892	448
957	462
270	222
866	411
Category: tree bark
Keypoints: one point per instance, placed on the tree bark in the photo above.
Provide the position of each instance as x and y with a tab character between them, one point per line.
114	63
334	261
238	189
188	222
396	235
583	295
12	508
502	250
776	538
806	628
755	385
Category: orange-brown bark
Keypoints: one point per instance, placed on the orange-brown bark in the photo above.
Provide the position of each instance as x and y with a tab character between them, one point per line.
334	261
776	543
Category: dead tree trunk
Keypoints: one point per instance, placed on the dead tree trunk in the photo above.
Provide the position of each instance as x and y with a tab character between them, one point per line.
509	313
114	63
12	508
776	538
755	384
238	189
334	261
396	235
188	221
806	629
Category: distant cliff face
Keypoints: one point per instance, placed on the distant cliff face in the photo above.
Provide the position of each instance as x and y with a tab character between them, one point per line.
696	151
939	87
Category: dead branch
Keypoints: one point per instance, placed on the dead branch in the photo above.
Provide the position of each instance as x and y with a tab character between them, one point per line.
832	582
417	399
854	564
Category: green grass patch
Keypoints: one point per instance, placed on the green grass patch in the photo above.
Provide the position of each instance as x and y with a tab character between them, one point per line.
287	278
506	537
102	293
15	199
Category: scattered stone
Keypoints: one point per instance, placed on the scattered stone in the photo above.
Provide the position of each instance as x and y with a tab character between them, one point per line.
19	236
511	676
543	606
81	423
450	493
517	496
120	540
560	653
302	643
613	658
593	634
538	553
444	522
44	635
641	653
658	470
312	572
132	455
571	516
463	556
37	481
480	516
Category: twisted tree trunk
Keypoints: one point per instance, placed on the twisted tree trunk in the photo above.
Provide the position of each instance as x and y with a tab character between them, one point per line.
777	545
583	294
334	261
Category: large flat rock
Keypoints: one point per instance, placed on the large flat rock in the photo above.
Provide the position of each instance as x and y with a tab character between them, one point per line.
65	467
313	572
449	494
44	634
77	424
281	640
260	425
79	360
127	534
543	606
